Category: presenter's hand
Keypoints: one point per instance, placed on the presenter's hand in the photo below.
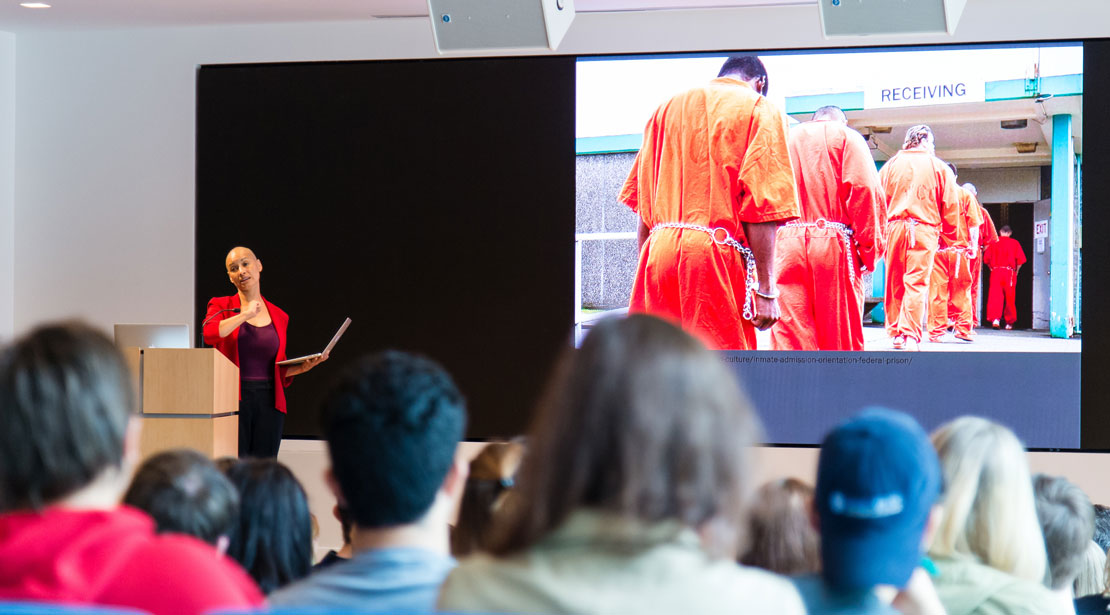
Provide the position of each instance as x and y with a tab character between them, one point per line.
766	313
972	254
254	308
307	365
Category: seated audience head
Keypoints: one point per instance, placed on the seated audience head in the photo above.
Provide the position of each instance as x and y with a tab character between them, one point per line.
878	482
66	400
1102	527
272	538
393	423
1068	523
642	422
184	492
492	475
782	538
1092	574
989	511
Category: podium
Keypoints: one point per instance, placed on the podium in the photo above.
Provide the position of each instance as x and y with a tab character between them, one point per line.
187	397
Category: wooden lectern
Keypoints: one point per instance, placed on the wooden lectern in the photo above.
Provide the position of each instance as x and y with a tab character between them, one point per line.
188	397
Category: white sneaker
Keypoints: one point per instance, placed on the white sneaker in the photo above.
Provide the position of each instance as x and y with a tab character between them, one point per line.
911	345
899	342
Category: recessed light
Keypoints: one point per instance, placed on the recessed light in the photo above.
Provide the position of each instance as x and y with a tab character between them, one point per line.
34	5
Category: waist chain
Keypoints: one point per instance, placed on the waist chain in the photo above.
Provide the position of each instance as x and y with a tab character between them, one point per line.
722	237
913	222
842	229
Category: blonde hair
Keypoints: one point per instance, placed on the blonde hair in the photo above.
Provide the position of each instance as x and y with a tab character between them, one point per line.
1092	574
989	511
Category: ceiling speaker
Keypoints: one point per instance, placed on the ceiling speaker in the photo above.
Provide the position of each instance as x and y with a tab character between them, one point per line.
862	17
480	25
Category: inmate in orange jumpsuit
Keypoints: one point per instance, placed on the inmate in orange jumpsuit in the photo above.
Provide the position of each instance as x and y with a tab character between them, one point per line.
988	235
714	156
1003	258
922	206
950	284
817	263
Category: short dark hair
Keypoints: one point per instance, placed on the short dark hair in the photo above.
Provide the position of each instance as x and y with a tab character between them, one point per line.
746	68
272	539
1006	229
1068	523
643	422
184	492
392	422
65	400
1102	527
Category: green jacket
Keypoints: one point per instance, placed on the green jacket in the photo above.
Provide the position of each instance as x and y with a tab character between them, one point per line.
967	587
600	563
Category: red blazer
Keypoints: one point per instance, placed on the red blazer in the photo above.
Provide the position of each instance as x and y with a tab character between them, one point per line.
229	345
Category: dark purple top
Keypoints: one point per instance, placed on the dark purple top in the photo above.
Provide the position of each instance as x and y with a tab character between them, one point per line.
258	348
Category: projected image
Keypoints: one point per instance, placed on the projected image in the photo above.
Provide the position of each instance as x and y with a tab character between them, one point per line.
858	200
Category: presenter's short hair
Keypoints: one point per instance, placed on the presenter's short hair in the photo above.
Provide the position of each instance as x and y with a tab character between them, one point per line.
392	425
65	399
184	492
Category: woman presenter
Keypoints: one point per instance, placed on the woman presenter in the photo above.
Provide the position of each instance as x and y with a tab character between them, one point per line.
254	340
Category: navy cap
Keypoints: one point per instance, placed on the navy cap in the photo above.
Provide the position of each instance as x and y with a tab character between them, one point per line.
877	480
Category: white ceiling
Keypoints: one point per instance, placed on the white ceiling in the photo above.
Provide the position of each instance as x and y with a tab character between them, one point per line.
121	14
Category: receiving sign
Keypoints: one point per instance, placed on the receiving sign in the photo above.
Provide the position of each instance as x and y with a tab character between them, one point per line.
912	93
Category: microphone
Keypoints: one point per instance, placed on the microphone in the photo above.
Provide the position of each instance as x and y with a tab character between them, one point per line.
206	320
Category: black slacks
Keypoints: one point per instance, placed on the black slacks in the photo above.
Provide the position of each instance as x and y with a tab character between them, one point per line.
260	423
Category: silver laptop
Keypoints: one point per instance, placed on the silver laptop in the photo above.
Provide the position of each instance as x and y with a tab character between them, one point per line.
152	336
327	349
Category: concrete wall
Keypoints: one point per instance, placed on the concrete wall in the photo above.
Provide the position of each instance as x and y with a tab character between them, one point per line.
608	265
1008	185
7	184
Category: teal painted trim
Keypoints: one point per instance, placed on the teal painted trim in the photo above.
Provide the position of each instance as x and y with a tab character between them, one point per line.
608	145
1057	85
1061	271
878	279
848	101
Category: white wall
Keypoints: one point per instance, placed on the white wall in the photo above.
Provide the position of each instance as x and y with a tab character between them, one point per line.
7	184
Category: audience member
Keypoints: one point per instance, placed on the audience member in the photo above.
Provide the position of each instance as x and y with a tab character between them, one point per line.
67	448
273	535
1092	574
346	551
1068	524
184	492
1102	527
1098	602
782	537
989	551
878	481
392	425
632	494
492	474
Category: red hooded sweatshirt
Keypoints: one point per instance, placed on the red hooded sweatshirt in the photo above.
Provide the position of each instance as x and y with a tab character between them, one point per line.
115	558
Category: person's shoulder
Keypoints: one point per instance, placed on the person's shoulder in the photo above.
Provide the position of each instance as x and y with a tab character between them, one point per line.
961	581
222	302
187	562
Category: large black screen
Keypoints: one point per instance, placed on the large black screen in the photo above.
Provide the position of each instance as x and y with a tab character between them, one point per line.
434	202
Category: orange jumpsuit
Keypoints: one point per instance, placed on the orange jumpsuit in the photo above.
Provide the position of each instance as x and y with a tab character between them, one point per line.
818	265
950	284
987	236
923	205
715	157
1004	258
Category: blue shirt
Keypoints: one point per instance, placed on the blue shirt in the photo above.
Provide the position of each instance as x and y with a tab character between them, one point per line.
396	580
821	599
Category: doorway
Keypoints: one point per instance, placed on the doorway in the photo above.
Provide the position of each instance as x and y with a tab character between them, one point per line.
1019	217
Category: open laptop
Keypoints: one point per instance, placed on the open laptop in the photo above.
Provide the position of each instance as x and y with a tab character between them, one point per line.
152	336
331	344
